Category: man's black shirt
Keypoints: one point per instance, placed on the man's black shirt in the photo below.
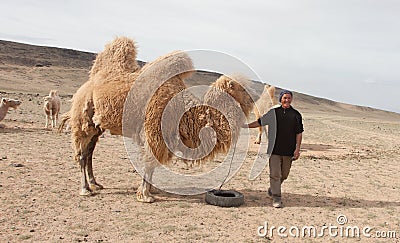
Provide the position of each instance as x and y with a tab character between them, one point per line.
283	126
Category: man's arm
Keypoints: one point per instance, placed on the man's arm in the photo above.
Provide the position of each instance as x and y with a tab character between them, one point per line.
254	124
299	138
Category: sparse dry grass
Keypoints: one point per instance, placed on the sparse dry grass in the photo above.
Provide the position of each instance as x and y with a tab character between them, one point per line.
349	165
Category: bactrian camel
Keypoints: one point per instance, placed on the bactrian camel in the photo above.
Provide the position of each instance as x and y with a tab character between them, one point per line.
98	105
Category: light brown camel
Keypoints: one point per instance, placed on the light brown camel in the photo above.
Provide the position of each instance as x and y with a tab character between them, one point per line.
99	105
263	104
51	107
5	104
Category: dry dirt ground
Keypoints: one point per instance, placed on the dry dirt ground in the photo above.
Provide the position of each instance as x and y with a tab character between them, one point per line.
349	166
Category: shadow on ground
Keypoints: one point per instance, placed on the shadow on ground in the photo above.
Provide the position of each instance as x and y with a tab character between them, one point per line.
257	198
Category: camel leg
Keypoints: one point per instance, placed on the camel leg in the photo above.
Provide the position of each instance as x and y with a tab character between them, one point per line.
51	118
260	129
47	122
143	193
258	140
93	185
85	155
53	121
85	189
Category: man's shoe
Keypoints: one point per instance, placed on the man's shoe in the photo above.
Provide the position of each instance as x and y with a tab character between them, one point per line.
277	203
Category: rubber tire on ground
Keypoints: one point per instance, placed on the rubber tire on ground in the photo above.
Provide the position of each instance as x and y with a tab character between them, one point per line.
231	198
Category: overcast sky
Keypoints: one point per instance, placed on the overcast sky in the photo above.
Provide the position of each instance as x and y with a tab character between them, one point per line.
344	50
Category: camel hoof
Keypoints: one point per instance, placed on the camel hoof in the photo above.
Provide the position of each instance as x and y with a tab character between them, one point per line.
141	198
146	199
85	192
96	187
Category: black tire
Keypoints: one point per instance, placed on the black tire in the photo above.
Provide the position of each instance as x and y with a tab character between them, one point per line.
224	198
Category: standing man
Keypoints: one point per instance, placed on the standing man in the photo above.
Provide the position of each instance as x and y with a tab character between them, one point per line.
285	129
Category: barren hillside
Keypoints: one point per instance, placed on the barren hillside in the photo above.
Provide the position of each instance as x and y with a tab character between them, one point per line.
36	69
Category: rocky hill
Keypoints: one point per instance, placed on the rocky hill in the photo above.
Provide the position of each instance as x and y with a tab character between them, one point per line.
34	69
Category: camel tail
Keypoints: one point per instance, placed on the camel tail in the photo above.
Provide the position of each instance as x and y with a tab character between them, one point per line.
64	118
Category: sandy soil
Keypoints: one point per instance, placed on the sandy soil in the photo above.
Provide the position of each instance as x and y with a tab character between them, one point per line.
349	166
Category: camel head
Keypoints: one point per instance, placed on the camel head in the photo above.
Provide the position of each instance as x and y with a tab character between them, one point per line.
47	102
10	103
47	99
53	93
235	86
269	91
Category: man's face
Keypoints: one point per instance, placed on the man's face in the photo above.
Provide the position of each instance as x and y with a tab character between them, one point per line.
286	100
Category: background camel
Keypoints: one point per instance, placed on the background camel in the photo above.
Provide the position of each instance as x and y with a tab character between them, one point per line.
51	107
5	104
263	104
99	105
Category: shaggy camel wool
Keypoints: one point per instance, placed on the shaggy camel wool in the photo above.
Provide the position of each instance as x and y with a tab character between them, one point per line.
129	101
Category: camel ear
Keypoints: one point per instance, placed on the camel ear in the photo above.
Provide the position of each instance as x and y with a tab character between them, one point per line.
3	100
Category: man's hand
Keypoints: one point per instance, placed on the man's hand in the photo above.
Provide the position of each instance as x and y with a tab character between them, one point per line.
296	154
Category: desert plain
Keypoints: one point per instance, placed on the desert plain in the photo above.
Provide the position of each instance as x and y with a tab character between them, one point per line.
348	170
